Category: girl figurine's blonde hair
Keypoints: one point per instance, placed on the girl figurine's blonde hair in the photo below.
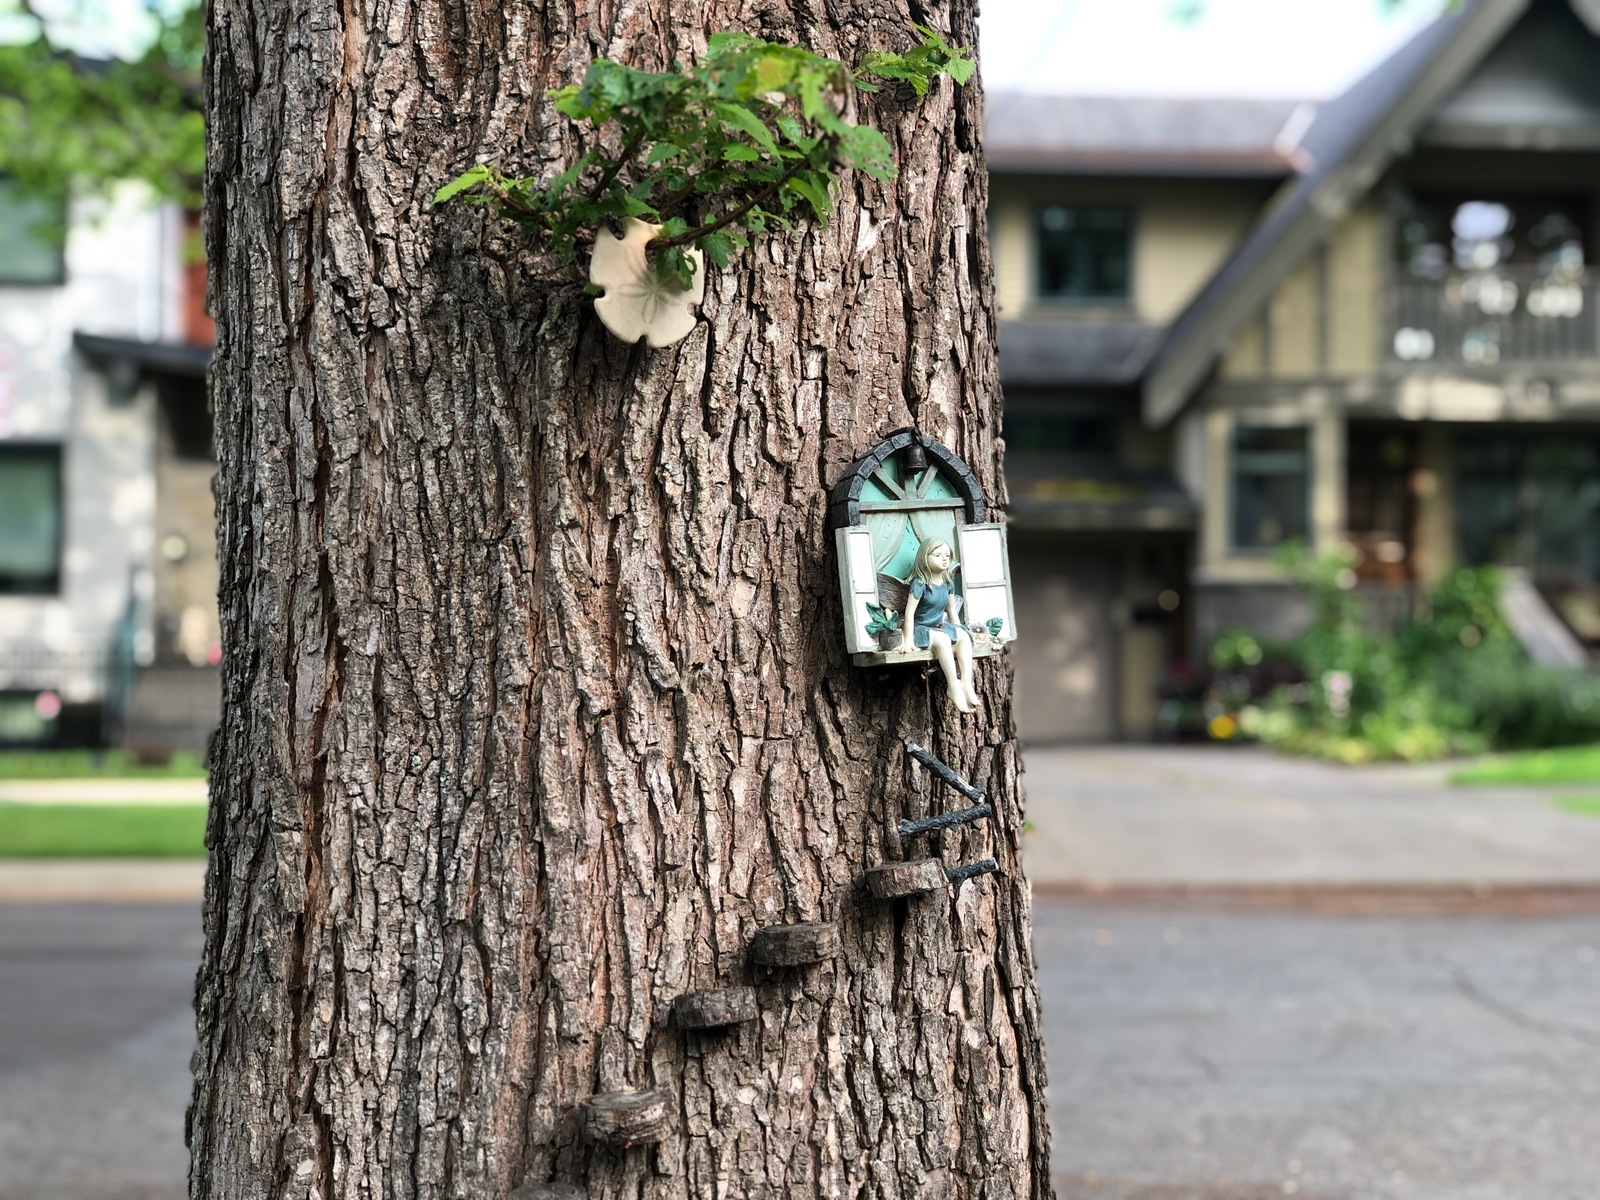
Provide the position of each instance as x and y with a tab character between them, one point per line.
922	569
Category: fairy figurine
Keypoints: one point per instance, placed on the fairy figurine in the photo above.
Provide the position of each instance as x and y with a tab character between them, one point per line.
933	620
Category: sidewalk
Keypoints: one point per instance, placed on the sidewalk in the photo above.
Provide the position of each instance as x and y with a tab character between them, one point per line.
102	791
1109	817
101	880
1106	817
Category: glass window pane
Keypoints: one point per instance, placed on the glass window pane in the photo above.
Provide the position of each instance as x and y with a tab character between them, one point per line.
1565	477
1082	253
30	518
31	229
1271	486
1084	435
1531	501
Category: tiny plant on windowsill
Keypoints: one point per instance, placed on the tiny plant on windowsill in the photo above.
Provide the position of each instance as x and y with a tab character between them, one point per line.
751	138
883	625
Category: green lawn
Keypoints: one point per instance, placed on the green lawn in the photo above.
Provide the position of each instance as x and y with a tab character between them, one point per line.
1573	764
91	764
1584	806
102	830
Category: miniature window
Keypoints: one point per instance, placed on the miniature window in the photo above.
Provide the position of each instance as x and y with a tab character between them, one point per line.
30	519
894	513
1271	485
1083	253
32	232
902	509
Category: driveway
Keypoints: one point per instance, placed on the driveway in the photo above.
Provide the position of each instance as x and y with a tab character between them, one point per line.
1199	817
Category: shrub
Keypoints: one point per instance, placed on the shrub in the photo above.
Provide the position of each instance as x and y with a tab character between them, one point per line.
1453	680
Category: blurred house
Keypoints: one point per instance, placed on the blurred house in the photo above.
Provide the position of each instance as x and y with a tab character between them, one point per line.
108	626
1229	324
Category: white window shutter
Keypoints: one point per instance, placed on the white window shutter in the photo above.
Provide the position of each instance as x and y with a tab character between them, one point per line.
858	586
986	577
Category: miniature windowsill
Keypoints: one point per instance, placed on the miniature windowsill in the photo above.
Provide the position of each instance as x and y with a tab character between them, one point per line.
983	646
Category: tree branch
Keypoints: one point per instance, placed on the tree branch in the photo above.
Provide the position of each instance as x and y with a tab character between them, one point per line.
766	193
628	151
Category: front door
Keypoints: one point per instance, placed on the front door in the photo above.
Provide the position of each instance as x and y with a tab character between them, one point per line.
1066	663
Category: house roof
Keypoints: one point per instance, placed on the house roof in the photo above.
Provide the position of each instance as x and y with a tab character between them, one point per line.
169	358
1042	353
1353	138
1096	135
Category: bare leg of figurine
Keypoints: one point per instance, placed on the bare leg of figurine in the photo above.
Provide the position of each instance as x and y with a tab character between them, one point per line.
940	645
964	661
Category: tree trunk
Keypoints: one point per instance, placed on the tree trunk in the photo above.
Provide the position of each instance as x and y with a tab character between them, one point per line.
536	709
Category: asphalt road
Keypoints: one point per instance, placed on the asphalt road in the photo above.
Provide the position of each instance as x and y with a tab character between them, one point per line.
95	1036
1199	1050
1208	1052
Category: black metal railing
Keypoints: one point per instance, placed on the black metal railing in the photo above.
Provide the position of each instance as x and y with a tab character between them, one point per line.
1488	318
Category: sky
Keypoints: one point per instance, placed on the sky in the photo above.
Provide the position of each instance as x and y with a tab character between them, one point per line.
1294	48
1286	48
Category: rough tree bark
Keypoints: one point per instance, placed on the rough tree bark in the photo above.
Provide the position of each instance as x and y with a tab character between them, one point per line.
536	708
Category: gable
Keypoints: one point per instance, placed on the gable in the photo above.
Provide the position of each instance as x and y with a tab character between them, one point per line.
1539	88
1352	141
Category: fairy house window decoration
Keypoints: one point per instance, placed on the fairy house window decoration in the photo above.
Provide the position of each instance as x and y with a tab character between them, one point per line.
892	513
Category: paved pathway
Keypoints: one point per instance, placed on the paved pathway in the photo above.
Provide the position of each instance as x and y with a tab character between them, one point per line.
1161	816
101	879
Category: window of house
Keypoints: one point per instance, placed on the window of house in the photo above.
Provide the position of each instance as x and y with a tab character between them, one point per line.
1079	435
30	519
1083	253
1531	500
32	229
1271	485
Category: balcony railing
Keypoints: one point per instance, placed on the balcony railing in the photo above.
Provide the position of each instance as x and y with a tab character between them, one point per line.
1494	317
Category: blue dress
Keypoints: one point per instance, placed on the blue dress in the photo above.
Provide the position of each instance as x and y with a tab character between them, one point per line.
932	600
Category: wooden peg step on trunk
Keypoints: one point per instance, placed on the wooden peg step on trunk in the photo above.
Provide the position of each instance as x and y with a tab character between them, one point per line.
894	880
714	1009
625	1118
974	795
971	870
549	1191
794	945
948	820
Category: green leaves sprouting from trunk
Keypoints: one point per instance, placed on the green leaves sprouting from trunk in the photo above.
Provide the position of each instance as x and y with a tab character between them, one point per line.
752	137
